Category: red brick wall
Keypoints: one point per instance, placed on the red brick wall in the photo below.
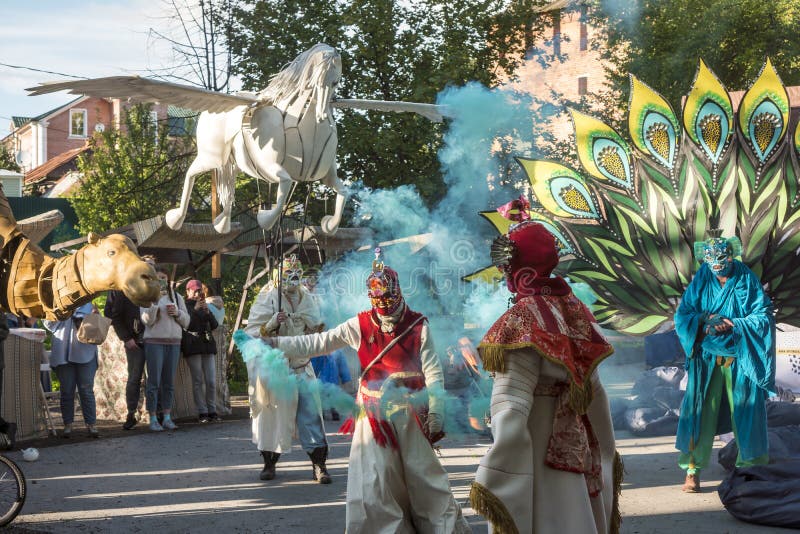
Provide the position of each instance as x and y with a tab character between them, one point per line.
98	110
563	76
58	139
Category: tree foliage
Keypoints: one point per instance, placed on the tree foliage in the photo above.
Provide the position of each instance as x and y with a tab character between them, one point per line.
132	173
391	50
660	41
7	160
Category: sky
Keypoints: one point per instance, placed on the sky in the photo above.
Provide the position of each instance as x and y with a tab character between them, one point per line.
88	38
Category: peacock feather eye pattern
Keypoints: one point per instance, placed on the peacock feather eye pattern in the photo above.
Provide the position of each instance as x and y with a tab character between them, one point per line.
602	151
561	191
710	129
764	114
652	124
708	116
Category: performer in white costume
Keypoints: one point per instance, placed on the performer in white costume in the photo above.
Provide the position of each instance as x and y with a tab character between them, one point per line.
395	483
553	466
287	310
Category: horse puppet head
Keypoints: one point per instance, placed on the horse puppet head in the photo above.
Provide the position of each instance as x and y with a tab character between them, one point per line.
316	73
113	262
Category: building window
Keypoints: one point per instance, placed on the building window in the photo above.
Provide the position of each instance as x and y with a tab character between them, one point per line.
584	38
583	83
77	123
557	33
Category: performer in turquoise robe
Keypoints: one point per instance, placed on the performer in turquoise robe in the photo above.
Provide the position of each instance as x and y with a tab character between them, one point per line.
726	326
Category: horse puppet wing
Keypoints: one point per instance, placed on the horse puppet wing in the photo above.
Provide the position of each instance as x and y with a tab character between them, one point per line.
299	146
138	89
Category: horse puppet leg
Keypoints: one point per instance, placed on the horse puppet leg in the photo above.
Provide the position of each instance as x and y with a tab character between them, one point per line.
213	151
330	223
175	217
267	218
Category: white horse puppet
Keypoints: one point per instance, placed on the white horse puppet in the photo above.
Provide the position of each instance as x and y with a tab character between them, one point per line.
291	136
283	134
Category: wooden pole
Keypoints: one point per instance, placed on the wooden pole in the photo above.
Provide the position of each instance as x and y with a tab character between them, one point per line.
216	260
243	300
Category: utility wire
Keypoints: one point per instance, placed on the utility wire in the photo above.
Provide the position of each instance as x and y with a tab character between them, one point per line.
44	71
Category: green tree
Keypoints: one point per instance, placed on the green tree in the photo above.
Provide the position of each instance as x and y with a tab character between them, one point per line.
660	41
132	173
7	160
391	50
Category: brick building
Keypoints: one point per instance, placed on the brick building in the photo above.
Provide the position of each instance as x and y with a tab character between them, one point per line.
565	64
47	146
577	69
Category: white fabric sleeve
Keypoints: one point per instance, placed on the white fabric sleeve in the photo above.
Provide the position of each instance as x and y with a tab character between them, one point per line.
262	312
305	347
309	311
149	315
432	369
183	314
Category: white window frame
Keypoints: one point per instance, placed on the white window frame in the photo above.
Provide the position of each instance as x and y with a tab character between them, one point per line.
85	113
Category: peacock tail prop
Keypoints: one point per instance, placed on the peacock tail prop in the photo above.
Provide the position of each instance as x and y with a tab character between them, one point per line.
627	223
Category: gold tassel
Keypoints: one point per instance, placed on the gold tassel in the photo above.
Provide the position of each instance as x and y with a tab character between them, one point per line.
493	357
619	474
489	506
580	397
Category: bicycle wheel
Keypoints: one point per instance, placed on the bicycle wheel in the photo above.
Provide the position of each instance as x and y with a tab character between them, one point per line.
12	490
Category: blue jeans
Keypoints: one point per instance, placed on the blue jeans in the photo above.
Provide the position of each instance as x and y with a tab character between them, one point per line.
80	376
162	365
308	420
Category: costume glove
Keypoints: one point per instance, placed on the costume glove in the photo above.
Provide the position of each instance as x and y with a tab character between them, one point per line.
710	323
435	423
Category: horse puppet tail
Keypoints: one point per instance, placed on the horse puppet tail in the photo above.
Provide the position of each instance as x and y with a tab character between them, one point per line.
226	183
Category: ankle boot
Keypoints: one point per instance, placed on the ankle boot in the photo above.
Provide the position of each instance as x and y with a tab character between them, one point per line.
270	459
318	457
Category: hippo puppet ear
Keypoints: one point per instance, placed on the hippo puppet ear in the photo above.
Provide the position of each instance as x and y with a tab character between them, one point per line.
93	238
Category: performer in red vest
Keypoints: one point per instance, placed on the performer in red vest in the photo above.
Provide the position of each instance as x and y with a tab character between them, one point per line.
395	483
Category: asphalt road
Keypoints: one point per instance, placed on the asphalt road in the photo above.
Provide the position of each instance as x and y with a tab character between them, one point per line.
204	478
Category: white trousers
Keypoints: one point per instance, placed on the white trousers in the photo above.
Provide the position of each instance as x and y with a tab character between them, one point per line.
399	491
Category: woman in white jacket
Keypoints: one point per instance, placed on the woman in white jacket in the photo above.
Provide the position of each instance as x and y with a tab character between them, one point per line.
164	322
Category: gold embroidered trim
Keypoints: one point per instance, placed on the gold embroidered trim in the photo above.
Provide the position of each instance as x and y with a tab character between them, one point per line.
489	506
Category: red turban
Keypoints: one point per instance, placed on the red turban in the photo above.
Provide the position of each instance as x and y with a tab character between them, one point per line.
535	254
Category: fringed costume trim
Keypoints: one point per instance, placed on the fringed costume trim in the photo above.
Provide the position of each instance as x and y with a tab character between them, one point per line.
619	475
489	506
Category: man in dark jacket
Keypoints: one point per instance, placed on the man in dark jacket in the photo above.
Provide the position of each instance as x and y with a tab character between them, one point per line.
8	431
126	320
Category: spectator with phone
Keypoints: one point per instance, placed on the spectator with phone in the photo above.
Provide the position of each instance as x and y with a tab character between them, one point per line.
200	351
164	322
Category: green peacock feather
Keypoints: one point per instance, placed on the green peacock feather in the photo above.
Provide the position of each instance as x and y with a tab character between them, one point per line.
628	225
